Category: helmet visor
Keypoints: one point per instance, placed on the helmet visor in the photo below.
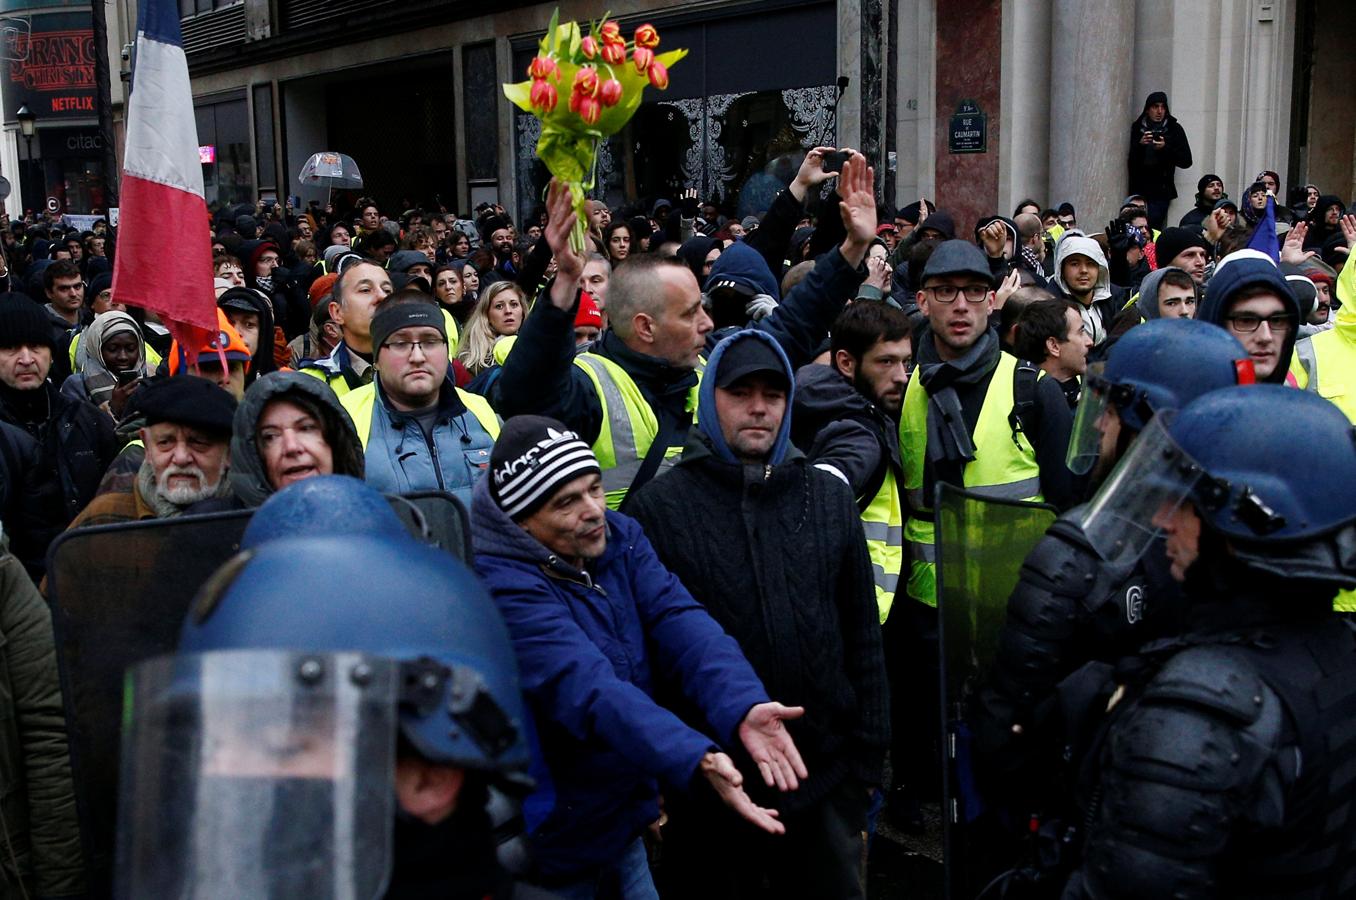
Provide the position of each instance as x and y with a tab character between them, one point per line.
1085	442
258	774
1146	486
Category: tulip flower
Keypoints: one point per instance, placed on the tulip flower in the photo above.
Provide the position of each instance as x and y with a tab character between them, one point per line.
543	67
611	92
659	75
544	96
642	57
586	81
590	110
589	47
647	37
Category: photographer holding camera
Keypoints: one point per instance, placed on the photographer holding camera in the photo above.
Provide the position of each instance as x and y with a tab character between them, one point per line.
1158	146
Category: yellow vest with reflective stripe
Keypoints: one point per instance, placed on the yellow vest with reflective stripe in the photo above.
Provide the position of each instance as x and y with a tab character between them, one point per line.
1003	467
1326	364
629	425
883	522
360	402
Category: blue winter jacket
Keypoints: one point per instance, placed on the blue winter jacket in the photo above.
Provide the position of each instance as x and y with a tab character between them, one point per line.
592	645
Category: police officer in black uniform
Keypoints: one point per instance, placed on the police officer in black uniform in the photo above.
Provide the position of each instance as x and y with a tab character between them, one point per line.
1072	605
1226	766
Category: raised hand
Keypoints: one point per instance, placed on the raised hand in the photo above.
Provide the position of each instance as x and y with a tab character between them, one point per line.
1006	288
1292	251
857	188
569	263
1348	225
767	741
811	173
720	772
995	239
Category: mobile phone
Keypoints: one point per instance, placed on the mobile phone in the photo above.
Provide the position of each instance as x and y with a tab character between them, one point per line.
833	160
127	376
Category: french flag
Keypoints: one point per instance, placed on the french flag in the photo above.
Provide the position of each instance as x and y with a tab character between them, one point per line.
164	255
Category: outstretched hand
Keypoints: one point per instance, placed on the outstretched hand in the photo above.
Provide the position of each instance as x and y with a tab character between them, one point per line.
767	741
720	771
857	188
1292	251
569	263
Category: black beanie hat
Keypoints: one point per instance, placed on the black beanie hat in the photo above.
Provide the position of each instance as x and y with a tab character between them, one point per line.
1173	241
531	459
391	317
23	322
1206	179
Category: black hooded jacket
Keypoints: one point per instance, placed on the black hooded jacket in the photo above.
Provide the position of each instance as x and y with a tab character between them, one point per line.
1153	171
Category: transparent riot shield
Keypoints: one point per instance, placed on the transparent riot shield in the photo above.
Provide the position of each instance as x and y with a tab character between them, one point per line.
258	773
119	594
981	543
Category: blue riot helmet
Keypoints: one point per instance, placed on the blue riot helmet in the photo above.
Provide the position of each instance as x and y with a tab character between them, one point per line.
314	505
391	597
1232	454
1160	365
262	755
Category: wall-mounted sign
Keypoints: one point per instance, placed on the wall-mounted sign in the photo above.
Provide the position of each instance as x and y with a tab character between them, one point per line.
969	132
50	69
207	154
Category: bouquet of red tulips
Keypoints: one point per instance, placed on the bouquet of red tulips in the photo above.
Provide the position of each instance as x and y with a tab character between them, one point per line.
606	77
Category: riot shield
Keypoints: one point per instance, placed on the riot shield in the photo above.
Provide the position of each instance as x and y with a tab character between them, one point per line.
436	518
119	594
981	543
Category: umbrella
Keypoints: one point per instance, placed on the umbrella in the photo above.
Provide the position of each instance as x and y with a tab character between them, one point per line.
331	170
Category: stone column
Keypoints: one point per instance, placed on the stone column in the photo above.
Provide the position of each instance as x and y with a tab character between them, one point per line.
1091	79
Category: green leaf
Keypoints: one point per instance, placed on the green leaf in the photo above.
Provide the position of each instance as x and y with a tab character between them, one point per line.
520	94
551	30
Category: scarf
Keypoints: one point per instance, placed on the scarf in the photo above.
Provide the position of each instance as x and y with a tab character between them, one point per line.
163	508
89	359
949	441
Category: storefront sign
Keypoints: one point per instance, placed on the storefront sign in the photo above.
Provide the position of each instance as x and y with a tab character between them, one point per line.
50	69
969	132
70	143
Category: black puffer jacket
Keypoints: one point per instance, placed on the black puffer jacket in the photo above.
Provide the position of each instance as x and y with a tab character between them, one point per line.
30	499
76	439
776	555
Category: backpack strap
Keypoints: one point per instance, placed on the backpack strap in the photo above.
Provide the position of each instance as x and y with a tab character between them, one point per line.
1024	378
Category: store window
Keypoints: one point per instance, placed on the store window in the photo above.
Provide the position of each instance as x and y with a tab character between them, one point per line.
734	125
224	151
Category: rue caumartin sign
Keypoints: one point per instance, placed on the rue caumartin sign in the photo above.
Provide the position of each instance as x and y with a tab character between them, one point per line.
969	131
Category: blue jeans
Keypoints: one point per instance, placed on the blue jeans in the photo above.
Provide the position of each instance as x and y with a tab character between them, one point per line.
626	879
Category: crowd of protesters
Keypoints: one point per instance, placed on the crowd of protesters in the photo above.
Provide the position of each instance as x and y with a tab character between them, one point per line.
743	598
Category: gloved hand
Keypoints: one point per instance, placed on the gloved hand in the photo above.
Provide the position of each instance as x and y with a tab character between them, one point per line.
759	307
1118	236
687	201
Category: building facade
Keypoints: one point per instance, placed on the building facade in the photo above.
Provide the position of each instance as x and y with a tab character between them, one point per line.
974	103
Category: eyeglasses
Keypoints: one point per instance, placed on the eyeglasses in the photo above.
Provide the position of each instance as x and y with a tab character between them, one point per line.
405	348
1067	223
1247	323
947	293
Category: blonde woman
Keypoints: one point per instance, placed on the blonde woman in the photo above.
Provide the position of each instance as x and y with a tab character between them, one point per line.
498	313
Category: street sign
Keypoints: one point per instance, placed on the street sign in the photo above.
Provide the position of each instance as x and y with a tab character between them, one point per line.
53	205
4	187
969	129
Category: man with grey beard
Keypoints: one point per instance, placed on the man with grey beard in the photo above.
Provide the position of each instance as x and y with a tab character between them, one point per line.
187	436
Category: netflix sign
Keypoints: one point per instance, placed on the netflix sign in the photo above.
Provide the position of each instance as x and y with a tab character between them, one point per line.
50	68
